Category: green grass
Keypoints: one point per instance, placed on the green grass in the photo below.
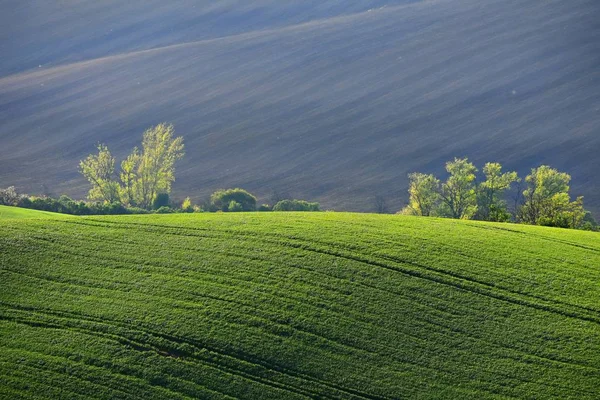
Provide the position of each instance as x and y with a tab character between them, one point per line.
7	212
291	306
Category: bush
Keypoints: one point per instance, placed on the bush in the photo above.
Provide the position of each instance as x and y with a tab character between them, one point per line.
136	210
221	200
161	200
187	206
265	207
164	210
234	206
24	202
296	205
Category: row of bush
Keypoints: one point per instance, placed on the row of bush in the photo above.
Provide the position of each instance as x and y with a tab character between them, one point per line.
230	200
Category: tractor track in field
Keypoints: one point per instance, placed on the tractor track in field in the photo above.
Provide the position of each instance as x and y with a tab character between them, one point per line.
439	276
197	347
286	307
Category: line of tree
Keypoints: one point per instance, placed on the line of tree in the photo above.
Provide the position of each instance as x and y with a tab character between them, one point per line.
146	176
542	198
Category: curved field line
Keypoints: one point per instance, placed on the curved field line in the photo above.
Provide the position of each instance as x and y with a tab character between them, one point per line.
238	357
471	283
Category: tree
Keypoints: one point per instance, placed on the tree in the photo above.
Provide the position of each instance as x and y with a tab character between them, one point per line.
221	199
458	194
547	200
490	202
99	171
155	166
423	191
129	187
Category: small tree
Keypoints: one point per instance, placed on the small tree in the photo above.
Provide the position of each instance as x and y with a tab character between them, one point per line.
221	199
99	171
423	191
491	205
458	194
187	206
155	166
9	196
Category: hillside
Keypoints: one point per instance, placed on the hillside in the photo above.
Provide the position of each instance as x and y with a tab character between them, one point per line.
285	305
24	213
319	100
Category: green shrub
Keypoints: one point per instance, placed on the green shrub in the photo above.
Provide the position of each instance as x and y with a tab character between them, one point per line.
296	205
234	206
187	206
136	210
264	207
221	199
161	200
164	210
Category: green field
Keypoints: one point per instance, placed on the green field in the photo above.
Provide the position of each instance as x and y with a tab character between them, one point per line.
291	306
7	212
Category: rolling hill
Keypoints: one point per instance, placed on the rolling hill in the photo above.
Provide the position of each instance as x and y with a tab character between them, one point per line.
7	212
286	305
320	100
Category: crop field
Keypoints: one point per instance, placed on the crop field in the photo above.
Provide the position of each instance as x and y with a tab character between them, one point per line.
20	213
296	306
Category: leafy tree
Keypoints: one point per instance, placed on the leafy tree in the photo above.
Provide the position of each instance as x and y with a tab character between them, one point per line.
128	175
458	193
547	200
99	171
423	193
221	199
491	205
155	166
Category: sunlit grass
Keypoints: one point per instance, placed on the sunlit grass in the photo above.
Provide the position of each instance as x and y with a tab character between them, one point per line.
286	305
